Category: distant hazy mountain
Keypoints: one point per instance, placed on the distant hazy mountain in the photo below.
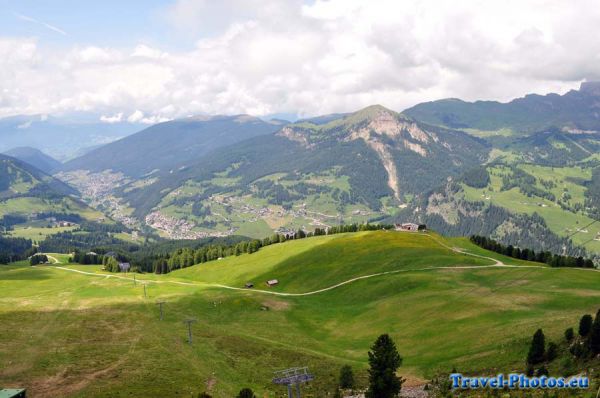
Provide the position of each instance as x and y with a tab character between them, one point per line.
575	110
170	144
60	137
34	157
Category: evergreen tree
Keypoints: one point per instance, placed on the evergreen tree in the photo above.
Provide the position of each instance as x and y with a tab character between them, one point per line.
346	377
384	361
569	334
537	348
246	393
585	325
595	335
552	351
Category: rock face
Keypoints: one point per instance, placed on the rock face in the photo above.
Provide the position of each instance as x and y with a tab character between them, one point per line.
591	88
390	135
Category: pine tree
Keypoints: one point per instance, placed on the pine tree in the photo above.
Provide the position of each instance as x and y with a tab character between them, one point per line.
537	349
346	377
569	334
585	325
595	335
384	361
246	393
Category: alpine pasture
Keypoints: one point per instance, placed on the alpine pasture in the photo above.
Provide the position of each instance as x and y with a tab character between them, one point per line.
74	330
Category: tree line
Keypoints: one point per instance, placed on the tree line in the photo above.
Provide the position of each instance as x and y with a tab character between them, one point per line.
553	260
582	346
14	249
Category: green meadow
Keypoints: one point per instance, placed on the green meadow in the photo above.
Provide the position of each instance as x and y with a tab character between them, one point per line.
73	330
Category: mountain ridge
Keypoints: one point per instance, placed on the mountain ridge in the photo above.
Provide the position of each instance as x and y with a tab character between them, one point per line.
35	157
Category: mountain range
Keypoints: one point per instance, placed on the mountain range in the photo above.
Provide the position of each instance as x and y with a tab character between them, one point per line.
521	172
61	137
170	144
577	110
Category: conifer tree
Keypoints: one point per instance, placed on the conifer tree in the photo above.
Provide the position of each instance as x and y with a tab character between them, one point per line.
595	335
384	360
537	349
585	325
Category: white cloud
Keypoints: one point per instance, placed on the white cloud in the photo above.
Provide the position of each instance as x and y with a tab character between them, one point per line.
25	125
264	57
144	51
139	117
135	116
117	118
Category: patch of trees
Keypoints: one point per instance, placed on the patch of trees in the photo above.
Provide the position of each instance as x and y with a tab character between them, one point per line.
38	259
526	184
69	241
592	195
199	210
70	217
10	220
86	258
554	260
477	177
14	249
582	346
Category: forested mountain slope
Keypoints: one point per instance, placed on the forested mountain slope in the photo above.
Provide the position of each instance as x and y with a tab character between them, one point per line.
575	110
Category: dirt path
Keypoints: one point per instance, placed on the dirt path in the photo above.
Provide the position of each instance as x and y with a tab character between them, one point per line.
56	261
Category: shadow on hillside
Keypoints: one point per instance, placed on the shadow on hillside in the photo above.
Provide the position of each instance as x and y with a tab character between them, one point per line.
11	273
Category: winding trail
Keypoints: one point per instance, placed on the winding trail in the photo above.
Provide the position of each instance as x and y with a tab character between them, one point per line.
497	264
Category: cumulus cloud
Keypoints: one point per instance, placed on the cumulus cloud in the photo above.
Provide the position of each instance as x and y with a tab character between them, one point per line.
267	56
117	118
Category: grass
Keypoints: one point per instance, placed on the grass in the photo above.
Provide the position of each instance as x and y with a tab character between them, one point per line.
560	221
37	234
80	335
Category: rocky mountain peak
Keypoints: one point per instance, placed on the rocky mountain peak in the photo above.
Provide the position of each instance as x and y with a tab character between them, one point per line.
591	88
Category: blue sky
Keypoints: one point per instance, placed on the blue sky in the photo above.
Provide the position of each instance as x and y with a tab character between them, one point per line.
102	23
148	61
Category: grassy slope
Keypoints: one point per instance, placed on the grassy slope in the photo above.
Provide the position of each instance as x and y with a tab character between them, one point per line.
560	221
94	336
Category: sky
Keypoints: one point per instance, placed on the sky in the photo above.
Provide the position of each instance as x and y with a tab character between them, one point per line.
147	61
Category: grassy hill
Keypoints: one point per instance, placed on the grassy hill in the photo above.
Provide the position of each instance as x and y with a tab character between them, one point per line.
80	332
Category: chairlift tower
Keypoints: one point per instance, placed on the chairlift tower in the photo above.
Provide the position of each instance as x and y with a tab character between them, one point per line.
293	377
160	304
189	322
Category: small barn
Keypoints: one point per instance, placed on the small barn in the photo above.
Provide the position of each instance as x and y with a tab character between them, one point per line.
272	282
410	227
124	267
